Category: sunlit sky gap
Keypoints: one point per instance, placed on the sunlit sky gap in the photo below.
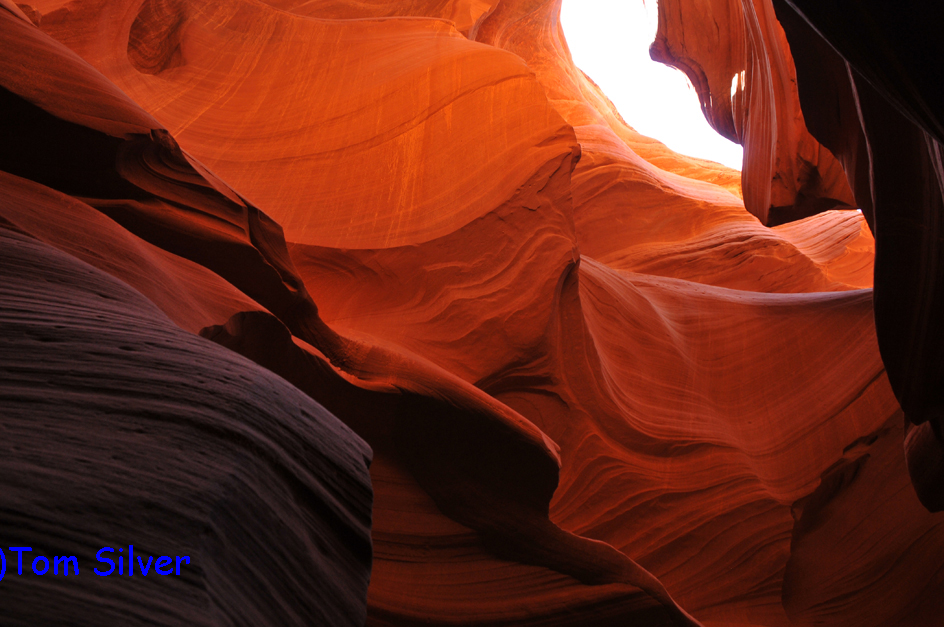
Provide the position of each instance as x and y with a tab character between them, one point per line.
609	40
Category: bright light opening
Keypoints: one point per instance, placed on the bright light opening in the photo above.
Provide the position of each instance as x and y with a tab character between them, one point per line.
737	82
609	40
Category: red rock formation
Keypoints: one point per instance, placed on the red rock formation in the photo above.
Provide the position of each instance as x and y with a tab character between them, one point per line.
597	390
744	75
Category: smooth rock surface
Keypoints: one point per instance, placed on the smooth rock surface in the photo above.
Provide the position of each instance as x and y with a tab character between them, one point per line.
120	428
598	388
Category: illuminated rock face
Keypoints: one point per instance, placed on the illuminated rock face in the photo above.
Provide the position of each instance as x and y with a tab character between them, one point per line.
736	55
595	389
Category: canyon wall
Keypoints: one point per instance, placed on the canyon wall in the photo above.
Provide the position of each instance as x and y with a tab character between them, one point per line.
255	250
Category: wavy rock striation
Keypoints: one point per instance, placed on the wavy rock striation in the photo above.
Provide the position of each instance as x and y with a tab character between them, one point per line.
597	390
123	429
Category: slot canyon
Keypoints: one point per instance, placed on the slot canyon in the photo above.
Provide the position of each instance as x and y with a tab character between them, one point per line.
379	313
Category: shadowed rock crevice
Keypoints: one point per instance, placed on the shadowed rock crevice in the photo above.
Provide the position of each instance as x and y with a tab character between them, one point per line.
154	38
882	116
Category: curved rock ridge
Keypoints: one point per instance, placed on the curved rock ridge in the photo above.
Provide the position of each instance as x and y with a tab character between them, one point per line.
632	216
595	389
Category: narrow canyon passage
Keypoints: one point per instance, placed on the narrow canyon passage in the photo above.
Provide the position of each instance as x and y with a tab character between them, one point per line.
381	314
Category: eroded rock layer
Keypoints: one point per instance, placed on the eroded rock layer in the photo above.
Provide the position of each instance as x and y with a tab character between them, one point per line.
596	388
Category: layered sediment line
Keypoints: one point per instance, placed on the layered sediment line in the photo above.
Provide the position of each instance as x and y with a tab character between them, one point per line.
591	385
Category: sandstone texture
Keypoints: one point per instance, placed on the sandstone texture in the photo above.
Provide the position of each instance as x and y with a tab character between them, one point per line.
382	312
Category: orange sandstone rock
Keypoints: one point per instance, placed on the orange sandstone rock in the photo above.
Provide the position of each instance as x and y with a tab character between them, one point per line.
597	390
744	75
